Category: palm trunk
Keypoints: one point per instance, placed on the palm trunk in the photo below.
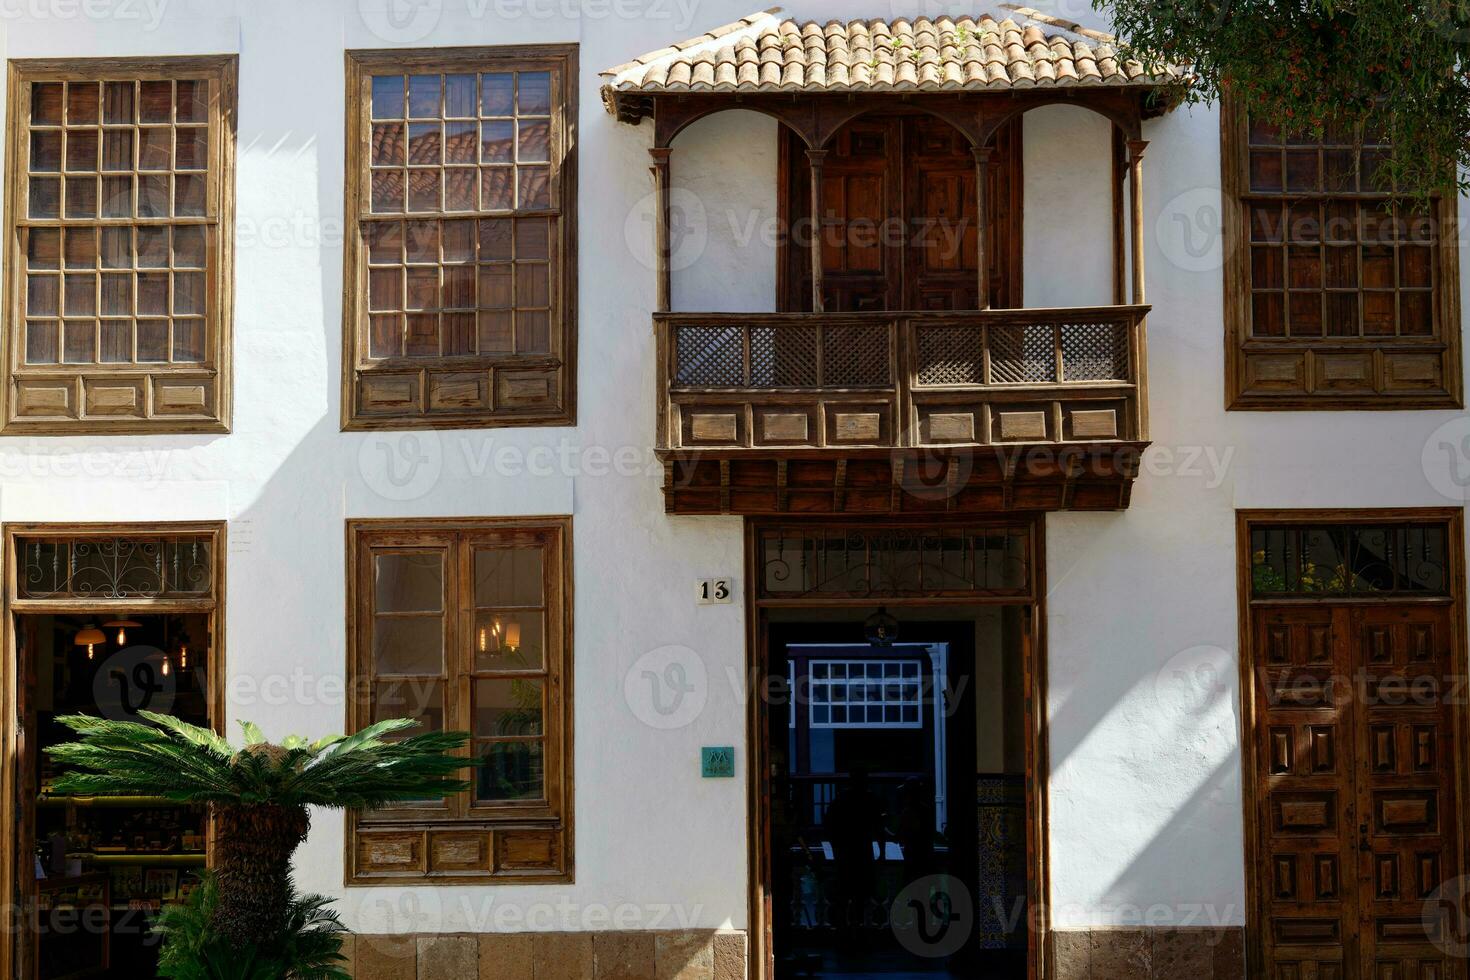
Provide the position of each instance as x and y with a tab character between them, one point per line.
253	851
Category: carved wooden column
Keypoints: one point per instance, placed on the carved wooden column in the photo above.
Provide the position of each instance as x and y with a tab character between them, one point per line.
661	248
1135	207
982	224
816	157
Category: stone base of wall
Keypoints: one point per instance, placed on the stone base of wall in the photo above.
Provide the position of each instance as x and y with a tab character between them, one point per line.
1148	954
696	955
1100	954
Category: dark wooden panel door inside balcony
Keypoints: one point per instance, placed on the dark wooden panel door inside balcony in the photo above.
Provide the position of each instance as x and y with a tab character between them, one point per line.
898	218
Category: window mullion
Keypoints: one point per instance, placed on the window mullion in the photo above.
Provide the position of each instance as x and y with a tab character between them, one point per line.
456	668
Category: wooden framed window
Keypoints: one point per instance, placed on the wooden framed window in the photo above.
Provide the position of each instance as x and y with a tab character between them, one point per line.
1338	294
460	303
121	221
466	625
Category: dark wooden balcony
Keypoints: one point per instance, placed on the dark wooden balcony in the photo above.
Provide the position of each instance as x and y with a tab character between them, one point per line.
893	412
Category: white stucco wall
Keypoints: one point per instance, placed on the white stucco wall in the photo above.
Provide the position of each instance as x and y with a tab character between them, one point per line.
1067	197
1145	783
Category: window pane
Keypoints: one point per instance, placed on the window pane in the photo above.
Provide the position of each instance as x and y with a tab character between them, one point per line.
409	583
509	576
419	698
510	771
459	96
423	96
43	249
533	93
509	640
506	708
387	97
81	151
41	345
408	644
497	96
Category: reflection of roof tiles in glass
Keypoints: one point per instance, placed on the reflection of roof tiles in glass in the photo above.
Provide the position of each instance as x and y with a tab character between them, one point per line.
766	53
461	177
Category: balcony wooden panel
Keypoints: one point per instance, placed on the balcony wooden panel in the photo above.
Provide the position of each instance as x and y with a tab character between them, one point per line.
896	412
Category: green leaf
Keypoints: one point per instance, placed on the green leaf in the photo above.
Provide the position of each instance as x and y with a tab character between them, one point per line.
253	734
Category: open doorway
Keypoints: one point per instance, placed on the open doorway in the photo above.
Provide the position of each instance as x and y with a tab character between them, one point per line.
105	866
894	749
898	794
108	622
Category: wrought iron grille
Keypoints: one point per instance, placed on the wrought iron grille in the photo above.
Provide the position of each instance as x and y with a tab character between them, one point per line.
875	563
1349	560
115	568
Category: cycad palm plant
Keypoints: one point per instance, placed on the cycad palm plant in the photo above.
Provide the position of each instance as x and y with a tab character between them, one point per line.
259	793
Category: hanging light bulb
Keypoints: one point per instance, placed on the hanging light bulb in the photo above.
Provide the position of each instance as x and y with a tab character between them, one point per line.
122	629
183	656
88	637
484	639
165	668
512	636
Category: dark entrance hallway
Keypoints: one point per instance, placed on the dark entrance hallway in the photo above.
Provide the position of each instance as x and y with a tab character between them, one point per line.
897	793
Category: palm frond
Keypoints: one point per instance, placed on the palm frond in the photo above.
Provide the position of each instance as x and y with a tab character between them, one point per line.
365	770
203	737
117	758
370	773
372	734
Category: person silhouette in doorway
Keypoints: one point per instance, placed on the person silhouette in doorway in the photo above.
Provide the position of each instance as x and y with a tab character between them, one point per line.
853	825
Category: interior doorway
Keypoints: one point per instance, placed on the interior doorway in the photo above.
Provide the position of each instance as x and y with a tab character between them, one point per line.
110	622
897	795
893	756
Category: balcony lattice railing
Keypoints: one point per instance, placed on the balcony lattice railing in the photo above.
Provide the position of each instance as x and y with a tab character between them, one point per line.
894	380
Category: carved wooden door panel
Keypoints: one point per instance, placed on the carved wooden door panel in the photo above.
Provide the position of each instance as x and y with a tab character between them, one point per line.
1356	768
862	207
1304	789
1408	843
899	219
941	264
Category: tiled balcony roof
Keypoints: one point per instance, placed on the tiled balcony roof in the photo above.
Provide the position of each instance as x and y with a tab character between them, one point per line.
767	53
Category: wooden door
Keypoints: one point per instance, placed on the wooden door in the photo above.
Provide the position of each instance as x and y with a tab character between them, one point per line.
899	227
862	213
941	266
1356	769
1408	768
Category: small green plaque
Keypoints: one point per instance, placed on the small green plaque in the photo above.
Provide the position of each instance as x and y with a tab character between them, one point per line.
717	761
